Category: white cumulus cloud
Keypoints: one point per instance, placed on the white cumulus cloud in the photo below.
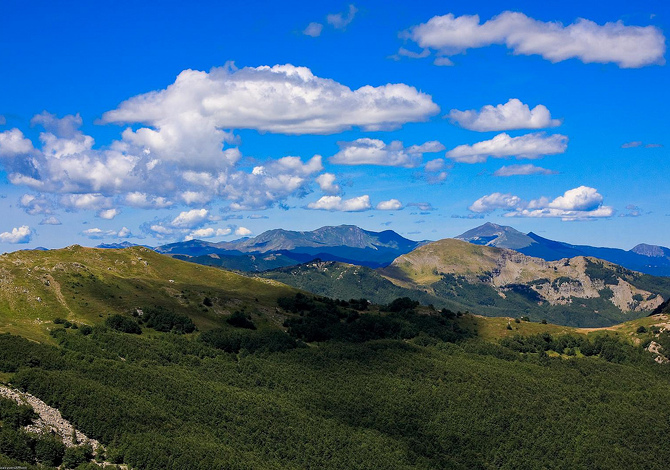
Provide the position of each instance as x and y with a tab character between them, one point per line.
190	219
326	182
13	143
34	205
109	214
512	115
495	201
367	151
243	231
336	203
22	234
528	146
580	203
98	233
614	42
281	99
91	201
390	205
208	232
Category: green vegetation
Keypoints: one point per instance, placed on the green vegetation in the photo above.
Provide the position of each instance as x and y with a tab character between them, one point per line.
161	319
397	386
123	324
473	292
84	286
232	372
18	447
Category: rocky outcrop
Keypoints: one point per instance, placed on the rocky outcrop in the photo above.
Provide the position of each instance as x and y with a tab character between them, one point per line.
50	420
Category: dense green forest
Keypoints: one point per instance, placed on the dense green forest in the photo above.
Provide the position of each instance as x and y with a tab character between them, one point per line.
348	385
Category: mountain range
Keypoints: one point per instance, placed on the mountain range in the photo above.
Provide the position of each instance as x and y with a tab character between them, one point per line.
453	274
350	244
278	248
649	259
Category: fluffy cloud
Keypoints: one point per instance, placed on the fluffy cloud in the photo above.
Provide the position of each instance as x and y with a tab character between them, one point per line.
336	203
97	233
512	115
528	146
435	165
190	219
108	214
326	182
243	231
626	46
313	29
34	205
575	204
90	179
514	170
495	201
145	201
390	205
281	99
22	234
340	20
433	171
89	201
13	143
367	151
207	233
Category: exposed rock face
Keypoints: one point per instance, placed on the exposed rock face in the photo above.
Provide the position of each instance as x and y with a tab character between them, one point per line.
656	350
556	282
50	419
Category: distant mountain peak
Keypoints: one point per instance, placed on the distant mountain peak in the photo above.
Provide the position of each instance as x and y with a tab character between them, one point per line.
501	236
653	251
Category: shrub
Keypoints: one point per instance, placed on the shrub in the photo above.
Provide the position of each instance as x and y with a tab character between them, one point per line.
162	319
85	330
49	451
401	304
123	324
240	320
75	456
14	415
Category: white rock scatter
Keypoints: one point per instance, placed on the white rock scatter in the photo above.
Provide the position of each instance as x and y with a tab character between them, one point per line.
50	419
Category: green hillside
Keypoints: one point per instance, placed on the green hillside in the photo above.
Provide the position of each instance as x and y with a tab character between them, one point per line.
576	292
85	285
277	379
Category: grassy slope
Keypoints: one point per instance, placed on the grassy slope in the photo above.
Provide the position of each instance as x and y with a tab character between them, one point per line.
424	265
84	285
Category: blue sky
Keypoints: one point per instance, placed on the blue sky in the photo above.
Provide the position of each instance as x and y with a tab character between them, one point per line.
162	121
